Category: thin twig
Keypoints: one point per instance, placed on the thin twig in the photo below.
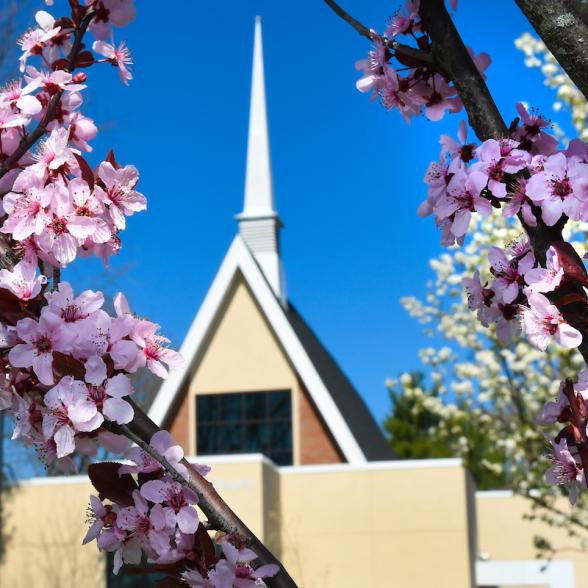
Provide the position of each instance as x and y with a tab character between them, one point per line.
393	45
30	139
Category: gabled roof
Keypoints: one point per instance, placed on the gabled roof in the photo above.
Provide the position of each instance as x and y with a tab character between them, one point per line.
341	407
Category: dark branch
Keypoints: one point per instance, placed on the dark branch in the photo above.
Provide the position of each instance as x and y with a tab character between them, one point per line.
41	128
364	31
453	58
563	27
219	514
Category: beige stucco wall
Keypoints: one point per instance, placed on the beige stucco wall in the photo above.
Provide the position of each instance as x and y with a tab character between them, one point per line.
45	521
243	355
398	524
503	533
335	526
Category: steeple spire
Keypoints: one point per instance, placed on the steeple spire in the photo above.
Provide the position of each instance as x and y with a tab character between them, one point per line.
259	223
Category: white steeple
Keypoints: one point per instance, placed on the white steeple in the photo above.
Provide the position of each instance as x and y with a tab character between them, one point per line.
259	223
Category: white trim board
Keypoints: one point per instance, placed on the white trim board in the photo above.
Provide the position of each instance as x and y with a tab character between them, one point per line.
557	574
239	259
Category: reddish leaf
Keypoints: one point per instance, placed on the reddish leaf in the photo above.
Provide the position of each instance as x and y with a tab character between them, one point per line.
111	159
203	543
66	365
571	262
59	64
570	299
85	59
87	173
104	477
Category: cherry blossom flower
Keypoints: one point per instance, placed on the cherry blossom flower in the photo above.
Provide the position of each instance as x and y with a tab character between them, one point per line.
101	516
520	202
153	352
373	67
497	158
463	198
542	320
34	41
405	21
176	501
107	394
530	134
69	411
509	272
461	153
561	188
119	57
239	563
119	192
41	339
22	281
117	12
71	309
564	470
546	279
27	211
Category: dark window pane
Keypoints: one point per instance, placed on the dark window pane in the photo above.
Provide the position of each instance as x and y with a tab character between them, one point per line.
256	437
279	405
207	439
255	406
247	422
281	436
230	407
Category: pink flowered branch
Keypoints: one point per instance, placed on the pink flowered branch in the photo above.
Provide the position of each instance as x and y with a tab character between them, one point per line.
538	282
65	363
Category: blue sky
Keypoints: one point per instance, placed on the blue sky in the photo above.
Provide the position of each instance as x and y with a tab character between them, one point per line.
347	174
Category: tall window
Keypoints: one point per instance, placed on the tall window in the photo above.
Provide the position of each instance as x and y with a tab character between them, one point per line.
249	422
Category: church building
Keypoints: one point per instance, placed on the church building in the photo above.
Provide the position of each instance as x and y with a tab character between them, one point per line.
293	449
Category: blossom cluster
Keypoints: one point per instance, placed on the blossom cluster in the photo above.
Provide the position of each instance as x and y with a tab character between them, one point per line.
570	408
152	515
66	364
413	86
56	206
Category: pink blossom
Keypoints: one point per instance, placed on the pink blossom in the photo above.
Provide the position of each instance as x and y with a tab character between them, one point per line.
509	272
239	562
461	153
497	158
405	21
561	188
101	516
373	67
34	41
69	411
22	281
71	309
119	57
81	130
546	279
153	351
437	178
520	202
564	470
107	394
41	339
118	12
542	320
50	82
176	501
531	134
437	98
463	198
119	192
54	154
554	410
27	211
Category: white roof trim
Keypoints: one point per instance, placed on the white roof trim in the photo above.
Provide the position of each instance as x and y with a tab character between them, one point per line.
237	258
553	574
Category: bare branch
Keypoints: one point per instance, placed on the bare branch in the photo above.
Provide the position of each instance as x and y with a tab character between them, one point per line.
563	27
140	430
393	45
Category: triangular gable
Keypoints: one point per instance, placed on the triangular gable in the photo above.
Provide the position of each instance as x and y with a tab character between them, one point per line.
238	258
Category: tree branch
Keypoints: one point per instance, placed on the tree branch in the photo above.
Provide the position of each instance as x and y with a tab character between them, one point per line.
140	430
364	31
563	27
41	128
